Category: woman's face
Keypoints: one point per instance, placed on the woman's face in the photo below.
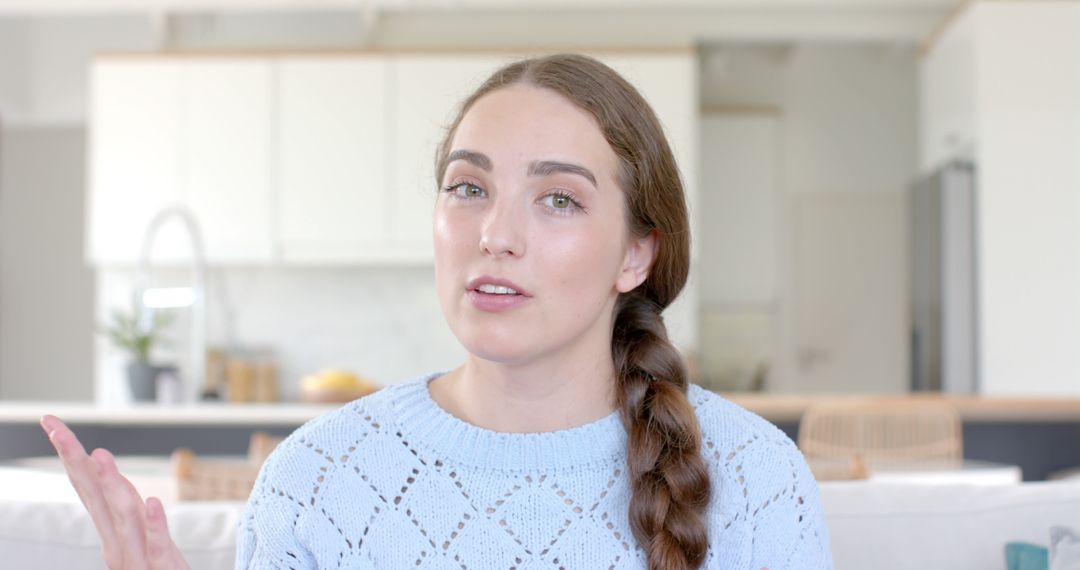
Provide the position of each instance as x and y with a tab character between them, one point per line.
529	196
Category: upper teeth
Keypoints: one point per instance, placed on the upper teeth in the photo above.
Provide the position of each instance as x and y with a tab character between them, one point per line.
497	289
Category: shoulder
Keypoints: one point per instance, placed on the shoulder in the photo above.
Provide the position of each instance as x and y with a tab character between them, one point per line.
765	501
746	454
729	426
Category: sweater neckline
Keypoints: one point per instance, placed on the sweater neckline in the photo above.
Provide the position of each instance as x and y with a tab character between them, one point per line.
423	420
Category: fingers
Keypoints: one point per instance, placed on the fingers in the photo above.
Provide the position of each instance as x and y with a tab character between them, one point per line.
82	471
161	551
127	509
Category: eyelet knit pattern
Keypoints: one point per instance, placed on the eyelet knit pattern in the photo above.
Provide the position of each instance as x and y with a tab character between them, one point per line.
393	481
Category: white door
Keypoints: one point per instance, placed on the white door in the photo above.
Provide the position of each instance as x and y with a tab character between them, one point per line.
849	291
332	158
226	137
738	244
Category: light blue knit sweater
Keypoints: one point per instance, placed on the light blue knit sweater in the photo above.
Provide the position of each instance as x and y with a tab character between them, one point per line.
393	481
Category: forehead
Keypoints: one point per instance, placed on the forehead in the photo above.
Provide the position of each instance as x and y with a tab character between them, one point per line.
521	123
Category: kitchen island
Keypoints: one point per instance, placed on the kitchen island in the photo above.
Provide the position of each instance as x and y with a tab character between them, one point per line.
1039	434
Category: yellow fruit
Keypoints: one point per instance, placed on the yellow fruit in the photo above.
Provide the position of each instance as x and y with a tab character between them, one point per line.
333	379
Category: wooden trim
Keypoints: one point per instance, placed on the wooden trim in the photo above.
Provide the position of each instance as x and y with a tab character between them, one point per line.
945	24
434	51
790	407
781	408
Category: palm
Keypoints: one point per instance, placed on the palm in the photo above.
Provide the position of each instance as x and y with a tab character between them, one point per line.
133	532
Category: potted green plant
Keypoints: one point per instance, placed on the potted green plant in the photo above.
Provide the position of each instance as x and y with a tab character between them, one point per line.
127	334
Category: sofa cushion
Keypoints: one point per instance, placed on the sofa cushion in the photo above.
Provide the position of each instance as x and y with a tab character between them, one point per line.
883	526
955	527
52	535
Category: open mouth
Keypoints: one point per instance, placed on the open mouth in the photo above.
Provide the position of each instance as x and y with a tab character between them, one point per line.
496	290
495	301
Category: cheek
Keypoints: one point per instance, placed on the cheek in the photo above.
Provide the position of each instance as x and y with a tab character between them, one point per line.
447	241
582	263
450	232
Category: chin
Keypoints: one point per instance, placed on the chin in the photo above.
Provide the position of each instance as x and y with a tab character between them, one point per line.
495	346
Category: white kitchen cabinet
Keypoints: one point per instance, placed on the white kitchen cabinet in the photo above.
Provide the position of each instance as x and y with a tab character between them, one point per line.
191	131
226	139
134	157
334	194
427	91
307	158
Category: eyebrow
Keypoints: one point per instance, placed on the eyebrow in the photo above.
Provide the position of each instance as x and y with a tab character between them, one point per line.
478	159
546	167
536	167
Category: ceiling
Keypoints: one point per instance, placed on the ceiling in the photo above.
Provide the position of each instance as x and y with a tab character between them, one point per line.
85	6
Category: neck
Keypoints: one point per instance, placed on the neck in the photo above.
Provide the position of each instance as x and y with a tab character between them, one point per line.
547	394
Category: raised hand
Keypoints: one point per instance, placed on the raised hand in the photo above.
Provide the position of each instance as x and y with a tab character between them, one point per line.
134	534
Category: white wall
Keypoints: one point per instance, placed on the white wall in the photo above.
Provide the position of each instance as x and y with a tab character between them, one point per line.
1001	88
382	323
846	118
46	292
14	88
849	110
1028	128
44	63
947	96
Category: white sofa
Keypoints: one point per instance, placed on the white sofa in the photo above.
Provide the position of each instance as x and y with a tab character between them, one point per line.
883	526
888	526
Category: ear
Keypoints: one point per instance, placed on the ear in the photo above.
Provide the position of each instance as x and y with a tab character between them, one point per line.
637	262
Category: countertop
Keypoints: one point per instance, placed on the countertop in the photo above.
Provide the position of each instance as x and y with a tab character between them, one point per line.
286	414
779	408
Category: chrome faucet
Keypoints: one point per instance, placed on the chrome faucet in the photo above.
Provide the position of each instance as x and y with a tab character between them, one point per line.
195	296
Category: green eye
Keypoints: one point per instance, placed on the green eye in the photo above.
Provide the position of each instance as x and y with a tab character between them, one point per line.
564	203
465	190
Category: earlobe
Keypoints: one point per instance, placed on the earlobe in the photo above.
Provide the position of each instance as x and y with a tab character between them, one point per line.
638	261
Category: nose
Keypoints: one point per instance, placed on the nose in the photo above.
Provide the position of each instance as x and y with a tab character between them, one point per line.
502	231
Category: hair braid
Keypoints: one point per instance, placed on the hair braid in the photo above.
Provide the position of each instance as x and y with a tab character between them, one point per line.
669	480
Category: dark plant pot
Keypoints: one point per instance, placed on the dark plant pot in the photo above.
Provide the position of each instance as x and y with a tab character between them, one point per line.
142	379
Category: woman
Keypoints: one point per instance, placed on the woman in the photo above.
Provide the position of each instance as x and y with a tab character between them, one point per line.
570	437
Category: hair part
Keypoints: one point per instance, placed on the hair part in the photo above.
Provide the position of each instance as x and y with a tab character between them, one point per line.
670	483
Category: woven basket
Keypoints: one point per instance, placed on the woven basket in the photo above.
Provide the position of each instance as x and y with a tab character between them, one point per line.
201	479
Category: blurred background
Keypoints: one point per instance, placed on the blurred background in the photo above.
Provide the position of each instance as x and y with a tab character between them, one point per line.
215	225
884	192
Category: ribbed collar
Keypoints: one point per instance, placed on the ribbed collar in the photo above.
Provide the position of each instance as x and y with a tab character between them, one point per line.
426	423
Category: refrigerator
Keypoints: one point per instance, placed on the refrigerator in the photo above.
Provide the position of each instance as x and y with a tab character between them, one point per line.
944	247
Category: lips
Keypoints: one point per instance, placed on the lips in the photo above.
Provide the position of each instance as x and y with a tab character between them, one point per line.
490	280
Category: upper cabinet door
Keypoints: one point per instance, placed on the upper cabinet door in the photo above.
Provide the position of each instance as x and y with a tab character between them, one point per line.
227	139
134	158
332	160
427	92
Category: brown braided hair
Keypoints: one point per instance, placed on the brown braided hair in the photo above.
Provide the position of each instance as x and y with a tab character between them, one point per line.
669	479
